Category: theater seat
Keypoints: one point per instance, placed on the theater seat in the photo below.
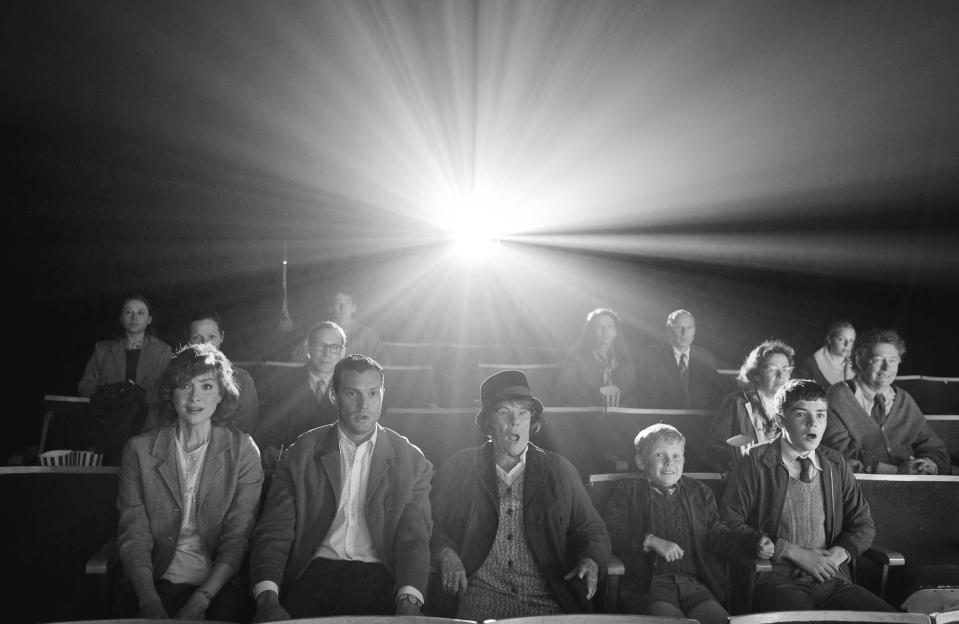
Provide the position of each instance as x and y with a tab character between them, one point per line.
592	618
851	617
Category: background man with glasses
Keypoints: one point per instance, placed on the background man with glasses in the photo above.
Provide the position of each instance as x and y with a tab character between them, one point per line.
877	426
299	400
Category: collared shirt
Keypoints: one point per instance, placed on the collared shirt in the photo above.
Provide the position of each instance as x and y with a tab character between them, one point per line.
867	396
678	354
509	478
791	455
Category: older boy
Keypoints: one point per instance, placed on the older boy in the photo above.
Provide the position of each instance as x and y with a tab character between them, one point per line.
658	525
799	505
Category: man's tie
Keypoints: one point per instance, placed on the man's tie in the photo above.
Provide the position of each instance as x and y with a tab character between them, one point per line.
320	390
879	408
684	372
806	471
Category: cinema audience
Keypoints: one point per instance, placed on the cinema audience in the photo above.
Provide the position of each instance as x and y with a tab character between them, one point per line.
188	497
747	416
832	362
598	370
876	425
678	374
515	533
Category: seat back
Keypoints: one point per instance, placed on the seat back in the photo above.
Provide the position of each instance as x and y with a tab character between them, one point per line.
852	617
66	423
437	432
409	386
947	428
542	377
593	618
54	519
578	434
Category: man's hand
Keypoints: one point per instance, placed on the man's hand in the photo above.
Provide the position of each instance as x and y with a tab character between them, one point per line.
452	572
926	466
588	569
670	551
819	564
268	607
765	547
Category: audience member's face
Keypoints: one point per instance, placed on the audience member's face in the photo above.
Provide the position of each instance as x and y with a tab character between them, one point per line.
774	372
206	331
841	342
195	401
682	332
359	401
880	366
604	331
325	348
341	308
510	423
663	462
803	424
135	316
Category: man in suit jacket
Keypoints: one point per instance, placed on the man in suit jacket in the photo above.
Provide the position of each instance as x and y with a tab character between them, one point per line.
677	375
346	525
300	400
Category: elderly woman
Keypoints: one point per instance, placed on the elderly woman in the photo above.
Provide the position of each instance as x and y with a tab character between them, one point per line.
831	363
748	415
598	369
188	498
514	533
137	357
877	426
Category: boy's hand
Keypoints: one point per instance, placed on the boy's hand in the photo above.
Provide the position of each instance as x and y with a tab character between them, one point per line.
670	551
765	548
818	564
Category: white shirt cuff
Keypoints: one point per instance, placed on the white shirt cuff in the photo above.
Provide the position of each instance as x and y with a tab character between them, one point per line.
263	586
409	589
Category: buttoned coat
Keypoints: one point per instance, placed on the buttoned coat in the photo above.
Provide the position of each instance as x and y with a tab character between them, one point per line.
150	501
660	384
303	499
108	365
561	523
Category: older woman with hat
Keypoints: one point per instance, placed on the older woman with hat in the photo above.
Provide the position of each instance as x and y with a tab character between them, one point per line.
515	533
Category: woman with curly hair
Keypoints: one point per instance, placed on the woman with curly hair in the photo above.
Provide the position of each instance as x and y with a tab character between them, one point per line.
189	495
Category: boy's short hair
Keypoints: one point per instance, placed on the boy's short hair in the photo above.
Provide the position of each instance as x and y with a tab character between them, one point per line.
652	434
797	390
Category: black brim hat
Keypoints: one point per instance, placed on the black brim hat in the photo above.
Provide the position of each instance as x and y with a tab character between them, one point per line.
504	385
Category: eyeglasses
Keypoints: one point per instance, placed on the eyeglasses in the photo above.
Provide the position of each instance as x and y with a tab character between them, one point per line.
323	347
878	360
785	370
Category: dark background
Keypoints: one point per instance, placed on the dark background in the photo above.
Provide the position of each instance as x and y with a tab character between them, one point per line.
769	166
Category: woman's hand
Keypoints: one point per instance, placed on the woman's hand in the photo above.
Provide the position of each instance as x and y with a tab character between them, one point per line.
452	572
586	569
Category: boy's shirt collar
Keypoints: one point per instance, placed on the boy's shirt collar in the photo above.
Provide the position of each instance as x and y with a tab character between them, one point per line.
662	489
790	456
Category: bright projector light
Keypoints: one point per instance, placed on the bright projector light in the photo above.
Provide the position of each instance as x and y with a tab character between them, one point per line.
472	225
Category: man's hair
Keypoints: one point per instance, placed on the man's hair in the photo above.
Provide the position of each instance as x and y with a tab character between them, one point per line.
536	421
192	361
675	314
870	339
749	371
358	363
797	390
311	335
652	434
339	288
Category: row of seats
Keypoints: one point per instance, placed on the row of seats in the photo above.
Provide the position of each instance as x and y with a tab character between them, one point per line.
65	514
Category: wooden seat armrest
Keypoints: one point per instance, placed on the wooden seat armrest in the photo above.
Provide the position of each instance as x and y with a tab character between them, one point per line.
615	566
884	556
105	559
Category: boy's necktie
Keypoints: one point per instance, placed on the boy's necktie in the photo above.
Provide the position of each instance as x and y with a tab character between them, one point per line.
806	470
